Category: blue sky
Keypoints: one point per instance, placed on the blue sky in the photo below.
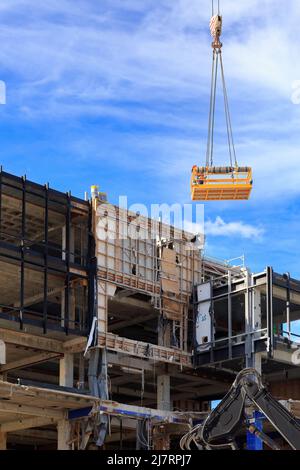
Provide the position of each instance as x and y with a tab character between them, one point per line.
115	93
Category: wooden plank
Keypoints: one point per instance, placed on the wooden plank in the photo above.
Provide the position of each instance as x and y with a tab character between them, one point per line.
66	370
29	361
33	435
75	345
144	350
44	397
26	424
169	269
172	309
168	263
172	305
170	285
52	397
127	361
40	342
8	407
78	272
169	256
31	341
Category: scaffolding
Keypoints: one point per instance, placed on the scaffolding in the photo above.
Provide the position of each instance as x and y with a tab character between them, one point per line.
138	255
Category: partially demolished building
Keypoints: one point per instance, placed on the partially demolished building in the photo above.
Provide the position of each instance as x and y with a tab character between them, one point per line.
116	332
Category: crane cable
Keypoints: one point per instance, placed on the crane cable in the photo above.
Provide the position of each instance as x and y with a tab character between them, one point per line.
216	27
213	7
231	147
212	107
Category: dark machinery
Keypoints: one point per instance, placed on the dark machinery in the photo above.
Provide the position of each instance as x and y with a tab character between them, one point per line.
220	428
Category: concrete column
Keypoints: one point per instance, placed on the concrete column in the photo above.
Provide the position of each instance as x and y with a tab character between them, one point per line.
81	375
163	392
64	243
63	435
163	380
3	437
2	352
66	370
257	359
3	376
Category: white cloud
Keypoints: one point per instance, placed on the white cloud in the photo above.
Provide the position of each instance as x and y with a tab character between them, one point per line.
142	51
193	227
220	228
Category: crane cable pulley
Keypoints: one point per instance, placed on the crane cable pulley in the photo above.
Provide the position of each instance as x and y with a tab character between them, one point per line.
216	31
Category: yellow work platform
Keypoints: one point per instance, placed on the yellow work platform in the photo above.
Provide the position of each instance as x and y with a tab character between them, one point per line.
221	183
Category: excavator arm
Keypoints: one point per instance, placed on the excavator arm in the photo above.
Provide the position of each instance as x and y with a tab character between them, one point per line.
282	420
227	419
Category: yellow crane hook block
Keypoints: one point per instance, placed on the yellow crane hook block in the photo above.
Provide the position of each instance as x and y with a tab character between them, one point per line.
221	183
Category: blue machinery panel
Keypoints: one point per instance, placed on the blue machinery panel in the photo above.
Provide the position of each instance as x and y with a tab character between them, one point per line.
254	442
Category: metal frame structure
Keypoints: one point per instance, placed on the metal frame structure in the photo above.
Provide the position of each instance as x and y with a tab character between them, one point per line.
262	298
27	208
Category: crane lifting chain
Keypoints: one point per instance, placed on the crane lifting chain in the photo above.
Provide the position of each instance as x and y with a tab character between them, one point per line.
216	31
